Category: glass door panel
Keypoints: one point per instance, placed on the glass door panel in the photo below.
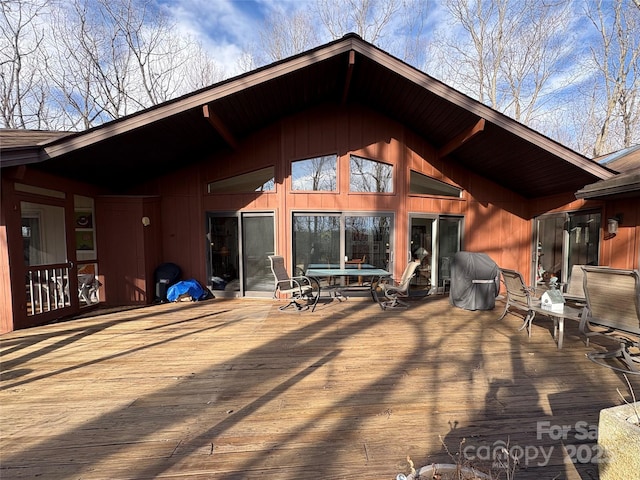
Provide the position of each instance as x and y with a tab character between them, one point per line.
44	242
422	248
258	243
449	243
563	241
316	241
367	242
584	239
550	248
224	253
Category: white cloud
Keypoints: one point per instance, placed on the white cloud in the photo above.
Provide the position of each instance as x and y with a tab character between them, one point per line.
226	28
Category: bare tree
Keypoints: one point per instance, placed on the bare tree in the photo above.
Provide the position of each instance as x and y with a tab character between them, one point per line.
114	57
23	90
367	18
503	52
617	63
200	70
284	35
91	68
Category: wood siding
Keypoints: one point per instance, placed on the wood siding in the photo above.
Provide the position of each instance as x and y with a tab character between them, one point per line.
128	251
497	221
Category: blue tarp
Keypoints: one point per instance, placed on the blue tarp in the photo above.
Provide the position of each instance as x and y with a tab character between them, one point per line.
192	287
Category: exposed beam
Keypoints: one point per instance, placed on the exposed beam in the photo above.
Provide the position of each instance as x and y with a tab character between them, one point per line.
347	81
219	126
461	138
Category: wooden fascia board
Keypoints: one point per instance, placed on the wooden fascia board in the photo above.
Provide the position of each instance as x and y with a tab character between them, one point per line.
12	157
219	126
462	138
118	127
622	184
347	81
438	88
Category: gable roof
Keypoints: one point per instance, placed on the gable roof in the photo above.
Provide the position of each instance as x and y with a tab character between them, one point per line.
132	149
21	146
624	185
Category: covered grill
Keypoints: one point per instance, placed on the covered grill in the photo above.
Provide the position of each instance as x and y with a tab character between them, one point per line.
475	281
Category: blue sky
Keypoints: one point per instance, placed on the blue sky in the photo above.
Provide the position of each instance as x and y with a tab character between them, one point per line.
225	27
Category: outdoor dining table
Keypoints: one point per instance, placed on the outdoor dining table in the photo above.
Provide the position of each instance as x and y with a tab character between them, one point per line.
318	271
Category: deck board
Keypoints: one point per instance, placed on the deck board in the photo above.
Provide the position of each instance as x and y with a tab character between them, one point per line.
235	389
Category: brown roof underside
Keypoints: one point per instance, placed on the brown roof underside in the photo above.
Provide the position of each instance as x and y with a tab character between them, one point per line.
172	135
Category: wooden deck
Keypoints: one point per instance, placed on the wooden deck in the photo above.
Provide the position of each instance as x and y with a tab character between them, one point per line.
236	389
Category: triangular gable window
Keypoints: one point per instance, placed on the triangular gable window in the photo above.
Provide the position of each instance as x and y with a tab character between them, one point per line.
257	181
423	185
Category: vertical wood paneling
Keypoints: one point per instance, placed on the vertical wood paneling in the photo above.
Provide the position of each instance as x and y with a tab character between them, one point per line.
497	221
121	251
622	250
9	223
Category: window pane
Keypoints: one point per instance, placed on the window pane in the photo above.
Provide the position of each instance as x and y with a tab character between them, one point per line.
259	238
367	237
315	174
550	245
421	184
224	252
257	181
370	176
43	234
448	245
316	240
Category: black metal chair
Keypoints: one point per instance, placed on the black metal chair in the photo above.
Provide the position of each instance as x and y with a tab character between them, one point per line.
298	289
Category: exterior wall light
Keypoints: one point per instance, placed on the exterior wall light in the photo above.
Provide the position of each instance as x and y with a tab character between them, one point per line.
612	225
146	221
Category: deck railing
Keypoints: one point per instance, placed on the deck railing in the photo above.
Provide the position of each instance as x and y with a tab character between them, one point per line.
47	288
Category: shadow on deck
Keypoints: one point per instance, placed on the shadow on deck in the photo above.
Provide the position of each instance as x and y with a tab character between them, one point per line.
235	389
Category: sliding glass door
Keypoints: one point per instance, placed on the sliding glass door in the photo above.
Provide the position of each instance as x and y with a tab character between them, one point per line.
258	240
238	248
564	240
433	242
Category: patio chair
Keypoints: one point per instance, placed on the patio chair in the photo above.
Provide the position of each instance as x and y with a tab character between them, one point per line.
575	289
394	290
88	286
613	310
298	289
519	296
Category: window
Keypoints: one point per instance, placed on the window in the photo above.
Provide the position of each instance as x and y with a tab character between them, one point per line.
423	185
257	181
315	174
370	176
316	240
329	239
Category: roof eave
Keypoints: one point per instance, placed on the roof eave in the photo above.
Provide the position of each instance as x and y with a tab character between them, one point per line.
624	187
482	111
197	99
14	157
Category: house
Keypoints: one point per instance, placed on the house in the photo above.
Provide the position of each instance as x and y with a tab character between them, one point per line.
339	154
